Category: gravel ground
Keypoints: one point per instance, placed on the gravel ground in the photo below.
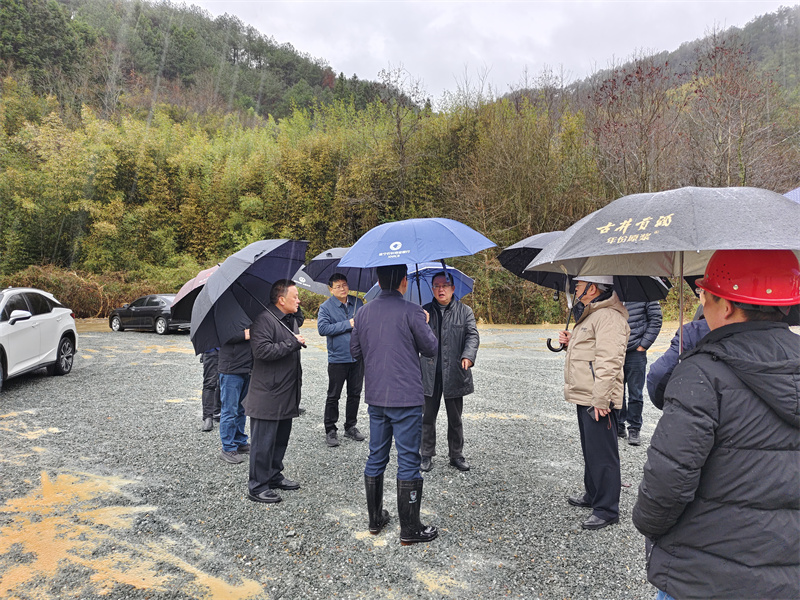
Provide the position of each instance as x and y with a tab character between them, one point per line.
110	489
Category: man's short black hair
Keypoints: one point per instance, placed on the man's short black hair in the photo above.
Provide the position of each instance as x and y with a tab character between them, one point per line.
336	277
280	288
448	277
391	276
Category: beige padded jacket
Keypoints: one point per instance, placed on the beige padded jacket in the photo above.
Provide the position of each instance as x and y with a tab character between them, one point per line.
595	355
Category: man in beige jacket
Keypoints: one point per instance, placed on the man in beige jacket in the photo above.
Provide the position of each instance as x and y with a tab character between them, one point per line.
593	380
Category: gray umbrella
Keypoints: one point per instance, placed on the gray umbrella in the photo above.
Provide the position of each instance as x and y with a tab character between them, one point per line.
674	233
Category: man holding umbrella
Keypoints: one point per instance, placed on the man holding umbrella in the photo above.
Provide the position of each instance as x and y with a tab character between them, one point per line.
273	399
719	498
390	333
593	381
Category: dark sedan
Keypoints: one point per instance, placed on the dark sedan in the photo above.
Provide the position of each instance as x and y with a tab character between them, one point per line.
148	312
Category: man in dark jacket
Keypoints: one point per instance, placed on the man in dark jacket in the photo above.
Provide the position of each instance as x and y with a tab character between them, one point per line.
719	499
274	396
448	374
644	319
235	362
390	333
335	322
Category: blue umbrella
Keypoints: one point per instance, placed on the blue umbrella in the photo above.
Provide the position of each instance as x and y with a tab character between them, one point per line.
321	267
422	292
793	195
414	241
305	282
238	291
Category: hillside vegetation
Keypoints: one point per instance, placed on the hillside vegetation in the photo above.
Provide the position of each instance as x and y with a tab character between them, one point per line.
127	147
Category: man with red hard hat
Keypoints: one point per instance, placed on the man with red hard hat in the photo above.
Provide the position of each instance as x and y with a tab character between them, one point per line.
719	500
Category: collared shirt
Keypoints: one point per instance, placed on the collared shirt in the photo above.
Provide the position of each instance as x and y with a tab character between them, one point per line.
333	321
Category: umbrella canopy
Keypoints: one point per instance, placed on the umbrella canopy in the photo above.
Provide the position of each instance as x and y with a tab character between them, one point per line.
181	307
304	281
322	266
420	283
629	288
239	290
414	241
793	195
673	233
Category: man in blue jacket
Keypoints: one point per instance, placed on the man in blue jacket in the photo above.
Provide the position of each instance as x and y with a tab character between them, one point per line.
390	333
335	322
644	319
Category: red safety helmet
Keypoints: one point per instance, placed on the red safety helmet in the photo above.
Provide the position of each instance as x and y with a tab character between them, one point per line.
762	277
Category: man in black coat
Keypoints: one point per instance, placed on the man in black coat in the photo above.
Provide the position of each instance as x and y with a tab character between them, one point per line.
273	399
449	373
644	319
719	499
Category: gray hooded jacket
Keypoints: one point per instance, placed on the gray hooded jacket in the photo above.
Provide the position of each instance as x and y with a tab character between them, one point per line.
720	495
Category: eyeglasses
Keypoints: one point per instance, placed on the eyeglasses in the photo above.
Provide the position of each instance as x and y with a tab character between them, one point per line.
442	286
342	286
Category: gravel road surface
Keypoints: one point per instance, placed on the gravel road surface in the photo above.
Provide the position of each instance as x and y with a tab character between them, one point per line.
109	489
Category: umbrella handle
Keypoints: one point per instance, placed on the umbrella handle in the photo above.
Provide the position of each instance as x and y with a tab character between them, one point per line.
552	348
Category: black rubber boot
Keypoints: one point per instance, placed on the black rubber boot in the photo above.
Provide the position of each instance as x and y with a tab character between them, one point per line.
409	499
378	517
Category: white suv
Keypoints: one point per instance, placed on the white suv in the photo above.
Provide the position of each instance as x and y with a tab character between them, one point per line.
36	331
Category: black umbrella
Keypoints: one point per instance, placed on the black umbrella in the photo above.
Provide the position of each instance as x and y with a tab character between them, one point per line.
517	257
321	267
674	233
237	292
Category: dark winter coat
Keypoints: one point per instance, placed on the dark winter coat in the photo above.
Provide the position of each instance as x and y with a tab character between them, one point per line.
235	357
720	495
459	339
661	370
274	392
389	334
644	319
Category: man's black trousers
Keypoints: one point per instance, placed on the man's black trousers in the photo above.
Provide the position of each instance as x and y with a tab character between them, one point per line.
268	442
601	473
338	373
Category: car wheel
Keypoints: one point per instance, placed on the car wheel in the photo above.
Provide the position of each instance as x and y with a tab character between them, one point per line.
116	324
64	356
161	326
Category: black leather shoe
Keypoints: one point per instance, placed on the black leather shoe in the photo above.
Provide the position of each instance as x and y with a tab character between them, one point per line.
459	463
426	464
633	437
595	522
267	497
208	424
579	500
287	484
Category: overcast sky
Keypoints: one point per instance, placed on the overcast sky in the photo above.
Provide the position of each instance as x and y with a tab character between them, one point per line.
439	43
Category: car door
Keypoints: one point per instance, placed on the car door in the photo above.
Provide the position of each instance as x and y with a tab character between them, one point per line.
152	308
21	339
132	317
49	326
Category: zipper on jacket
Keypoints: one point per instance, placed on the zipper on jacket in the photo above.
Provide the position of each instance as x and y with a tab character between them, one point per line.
591	368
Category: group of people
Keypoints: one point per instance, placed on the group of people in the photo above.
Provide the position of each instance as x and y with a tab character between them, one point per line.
719	501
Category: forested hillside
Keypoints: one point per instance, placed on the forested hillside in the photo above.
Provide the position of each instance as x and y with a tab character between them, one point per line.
147	154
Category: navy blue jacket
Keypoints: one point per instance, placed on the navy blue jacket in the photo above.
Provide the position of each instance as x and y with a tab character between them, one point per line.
660	371
333	321
390	334
644	319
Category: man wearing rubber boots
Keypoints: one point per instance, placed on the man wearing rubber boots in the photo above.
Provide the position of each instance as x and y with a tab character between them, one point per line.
389	334
718	501
593	381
